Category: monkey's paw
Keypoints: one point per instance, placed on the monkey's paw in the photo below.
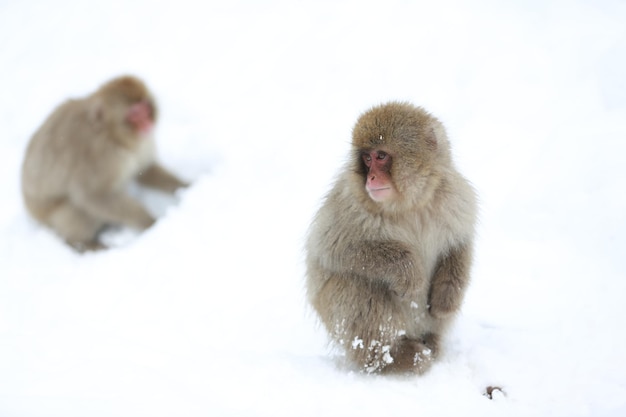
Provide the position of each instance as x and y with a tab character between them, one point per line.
441	311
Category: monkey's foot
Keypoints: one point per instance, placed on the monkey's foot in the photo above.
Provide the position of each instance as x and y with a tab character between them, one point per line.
91	246
413	355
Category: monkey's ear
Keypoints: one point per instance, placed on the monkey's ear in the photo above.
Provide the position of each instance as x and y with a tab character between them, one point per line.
431	139
436	135
96	111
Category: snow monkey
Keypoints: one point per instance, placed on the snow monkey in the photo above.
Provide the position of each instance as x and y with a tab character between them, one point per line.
388	254
79	162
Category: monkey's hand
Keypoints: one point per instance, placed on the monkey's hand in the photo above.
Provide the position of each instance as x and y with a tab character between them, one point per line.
157	176
449	282
387	261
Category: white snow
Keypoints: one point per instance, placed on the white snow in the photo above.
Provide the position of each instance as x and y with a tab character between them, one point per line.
205	314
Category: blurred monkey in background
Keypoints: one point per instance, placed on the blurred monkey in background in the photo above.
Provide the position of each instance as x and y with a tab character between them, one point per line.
79	163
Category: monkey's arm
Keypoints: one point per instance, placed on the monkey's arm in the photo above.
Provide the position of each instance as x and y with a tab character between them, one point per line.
387	261
117	207
449	281
156	176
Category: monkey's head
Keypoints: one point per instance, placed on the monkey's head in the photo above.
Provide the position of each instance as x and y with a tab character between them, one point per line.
399	151
126	105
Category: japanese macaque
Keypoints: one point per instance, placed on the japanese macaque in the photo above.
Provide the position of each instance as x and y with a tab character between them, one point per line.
79	163
388	254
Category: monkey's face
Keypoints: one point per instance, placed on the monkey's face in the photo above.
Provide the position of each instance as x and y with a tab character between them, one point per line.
140	116
376	167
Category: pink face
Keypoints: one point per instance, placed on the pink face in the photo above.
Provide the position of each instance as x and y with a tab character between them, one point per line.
379	185
140	117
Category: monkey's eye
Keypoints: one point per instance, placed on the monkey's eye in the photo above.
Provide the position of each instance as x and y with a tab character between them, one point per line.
381	155
367	158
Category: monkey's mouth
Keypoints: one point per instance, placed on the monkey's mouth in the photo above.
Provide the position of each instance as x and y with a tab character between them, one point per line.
145	129
380	194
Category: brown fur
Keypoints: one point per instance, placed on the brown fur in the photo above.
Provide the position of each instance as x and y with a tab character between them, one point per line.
79	162
386	278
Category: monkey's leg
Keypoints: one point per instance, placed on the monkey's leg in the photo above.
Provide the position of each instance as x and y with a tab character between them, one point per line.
364	318
77	227
449	282
117	208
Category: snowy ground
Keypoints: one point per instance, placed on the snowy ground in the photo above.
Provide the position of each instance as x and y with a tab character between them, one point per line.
204	314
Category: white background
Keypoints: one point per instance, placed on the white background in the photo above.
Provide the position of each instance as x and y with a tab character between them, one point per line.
205	315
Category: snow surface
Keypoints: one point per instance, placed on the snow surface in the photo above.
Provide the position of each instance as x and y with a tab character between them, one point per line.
204	314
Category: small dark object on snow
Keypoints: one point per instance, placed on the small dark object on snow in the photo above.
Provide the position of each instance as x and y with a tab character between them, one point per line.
491	390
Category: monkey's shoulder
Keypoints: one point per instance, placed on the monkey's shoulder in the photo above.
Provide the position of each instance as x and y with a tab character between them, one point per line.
71	109
70	122
451	217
